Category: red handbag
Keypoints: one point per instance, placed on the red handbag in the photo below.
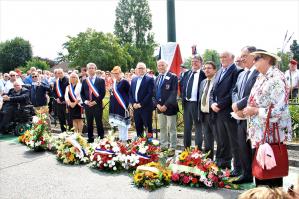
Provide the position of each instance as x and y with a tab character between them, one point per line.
280	152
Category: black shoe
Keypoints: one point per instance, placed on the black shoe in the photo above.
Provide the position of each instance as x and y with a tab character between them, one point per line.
235	173
243	179
90	140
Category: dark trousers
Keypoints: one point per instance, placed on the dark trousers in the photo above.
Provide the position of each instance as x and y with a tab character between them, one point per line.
190	118
6	116
61	114
227	143
209	134
94	113
143	118
245	149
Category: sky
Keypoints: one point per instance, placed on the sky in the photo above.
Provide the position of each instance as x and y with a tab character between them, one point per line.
209	24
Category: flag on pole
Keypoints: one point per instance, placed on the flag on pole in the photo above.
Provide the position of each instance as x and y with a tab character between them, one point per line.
170	52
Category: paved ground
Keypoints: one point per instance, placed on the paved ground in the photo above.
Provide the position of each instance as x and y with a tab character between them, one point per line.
27	174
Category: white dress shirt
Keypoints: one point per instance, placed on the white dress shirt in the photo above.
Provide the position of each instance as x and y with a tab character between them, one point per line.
137	87
206	108
195	87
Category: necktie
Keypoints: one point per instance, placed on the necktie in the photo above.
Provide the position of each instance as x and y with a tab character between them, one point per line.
190	85
244	83
161	79
90	91
222	74
205	93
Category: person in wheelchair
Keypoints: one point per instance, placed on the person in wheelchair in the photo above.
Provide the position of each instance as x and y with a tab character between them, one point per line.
16	106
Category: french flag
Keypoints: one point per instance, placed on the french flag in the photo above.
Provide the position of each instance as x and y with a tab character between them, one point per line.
171	53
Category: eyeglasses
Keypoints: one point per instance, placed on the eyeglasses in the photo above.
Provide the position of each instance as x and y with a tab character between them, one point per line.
12	75
34	76
258	57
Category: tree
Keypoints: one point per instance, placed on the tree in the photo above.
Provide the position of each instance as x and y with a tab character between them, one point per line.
211	55
285	59
14	53
133	26
38	63
102	49
295	50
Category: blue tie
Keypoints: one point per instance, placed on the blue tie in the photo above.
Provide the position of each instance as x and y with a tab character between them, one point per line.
159	87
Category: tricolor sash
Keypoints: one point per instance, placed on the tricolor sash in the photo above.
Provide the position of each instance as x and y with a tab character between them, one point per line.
103	151
92	87
58	89
119	99
72	92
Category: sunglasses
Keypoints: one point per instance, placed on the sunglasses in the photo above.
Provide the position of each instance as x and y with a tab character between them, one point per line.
257	58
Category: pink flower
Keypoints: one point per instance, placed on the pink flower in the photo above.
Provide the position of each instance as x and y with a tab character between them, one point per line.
186	179
175	177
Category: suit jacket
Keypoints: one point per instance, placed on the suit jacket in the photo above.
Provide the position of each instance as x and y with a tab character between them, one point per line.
99	84
22	97
201	89
64	82
169	90
145	92
221	92
237	96
38	94
184	81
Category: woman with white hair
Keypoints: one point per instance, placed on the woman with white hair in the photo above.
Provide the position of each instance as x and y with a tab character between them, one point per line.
73	101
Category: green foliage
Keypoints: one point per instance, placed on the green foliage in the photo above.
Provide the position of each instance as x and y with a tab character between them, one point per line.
295	50
187	62
211	55
133	26
38	63
97	47
285	59
294	111
14	53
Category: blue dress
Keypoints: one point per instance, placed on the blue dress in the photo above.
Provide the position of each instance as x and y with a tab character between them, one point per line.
117	114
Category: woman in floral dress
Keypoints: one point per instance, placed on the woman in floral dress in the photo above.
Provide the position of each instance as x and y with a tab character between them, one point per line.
269	89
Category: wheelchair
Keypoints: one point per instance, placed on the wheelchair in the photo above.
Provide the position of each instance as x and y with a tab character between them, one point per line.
21	120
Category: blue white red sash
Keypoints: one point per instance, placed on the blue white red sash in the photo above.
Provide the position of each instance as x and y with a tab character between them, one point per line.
72	92
103	151
58	89
119	99
92	87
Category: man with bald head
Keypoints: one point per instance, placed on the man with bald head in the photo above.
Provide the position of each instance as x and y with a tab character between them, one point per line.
141	99
221	102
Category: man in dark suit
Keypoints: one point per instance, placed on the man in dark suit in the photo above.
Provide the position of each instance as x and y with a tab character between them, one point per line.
240	96
189	87
141	98
59	89
92	93
204	108
166	89
226	127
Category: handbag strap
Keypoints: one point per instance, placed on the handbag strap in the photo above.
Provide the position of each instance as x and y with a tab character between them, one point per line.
267	129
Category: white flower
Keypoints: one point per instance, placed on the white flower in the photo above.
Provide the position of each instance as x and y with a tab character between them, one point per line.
155	142
107	146
195	155
99	158
35	119
105	164
114	168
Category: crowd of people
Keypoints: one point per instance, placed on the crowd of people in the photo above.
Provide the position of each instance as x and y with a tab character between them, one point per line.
228	106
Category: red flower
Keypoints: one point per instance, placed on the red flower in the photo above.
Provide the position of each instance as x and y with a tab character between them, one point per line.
150	135
221	184
194	180
42	142
186	179
175	177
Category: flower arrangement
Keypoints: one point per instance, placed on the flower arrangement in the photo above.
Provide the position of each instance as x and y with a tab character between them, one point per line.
152	176
107	155
38	136
25	137
143	151
72	148
194	169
